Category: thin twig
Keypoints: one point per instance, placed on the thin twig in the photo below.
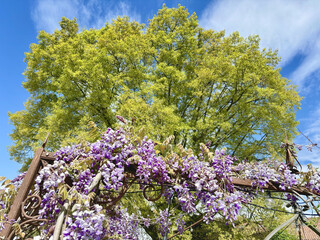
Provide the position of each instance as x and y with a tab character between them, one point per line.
200	220
313	144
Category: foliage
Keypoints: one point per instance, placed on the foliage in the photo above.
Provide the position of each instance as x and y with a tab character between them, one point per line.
172	77
8	191
85	180
253	223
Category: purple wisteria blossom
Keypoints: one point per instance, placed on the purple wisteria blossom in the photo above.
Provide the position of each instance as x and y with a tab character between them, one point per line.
88	177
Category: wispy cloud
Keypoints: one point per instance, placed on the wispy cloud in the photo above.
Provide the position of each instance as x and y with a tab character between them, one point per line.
291	26
90	14
309	69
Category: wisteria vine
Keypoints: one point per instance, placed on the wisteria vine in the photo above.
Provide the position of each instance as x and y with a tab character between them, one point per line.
121	158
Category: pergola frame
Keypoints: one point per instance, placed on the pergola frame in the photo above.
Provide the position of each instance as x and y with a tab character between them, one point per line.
24	208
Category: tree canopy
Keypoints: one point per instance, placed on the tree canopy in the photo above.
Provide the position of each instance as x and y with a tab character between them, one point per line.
171	77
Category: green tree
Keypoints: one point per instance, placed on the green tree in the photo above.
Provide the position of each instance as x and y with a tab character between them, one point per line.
171	77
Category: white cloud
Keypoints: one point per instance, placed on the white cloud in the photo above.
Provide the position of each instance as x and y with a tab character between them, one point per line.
90	14
48	13
291	26
310	65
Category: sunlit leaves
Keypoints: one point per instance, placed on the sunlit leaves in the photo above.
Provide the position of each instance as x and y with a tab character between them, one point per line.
171	77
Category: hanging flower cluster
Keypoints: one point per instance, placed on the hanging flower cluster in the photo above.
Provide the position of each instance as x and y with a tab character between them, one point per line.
86	182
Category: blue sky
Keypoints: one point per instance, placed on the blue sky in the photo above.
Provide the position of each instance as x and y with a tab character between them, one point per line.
291	26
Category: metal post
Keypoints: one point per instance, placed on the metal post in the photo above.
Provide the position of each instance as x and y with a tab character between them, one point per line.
24	189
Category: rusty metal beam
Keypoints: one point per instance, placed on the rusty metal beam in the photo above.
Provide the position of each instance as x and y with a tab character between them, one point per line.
24	189
48	156
273	186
